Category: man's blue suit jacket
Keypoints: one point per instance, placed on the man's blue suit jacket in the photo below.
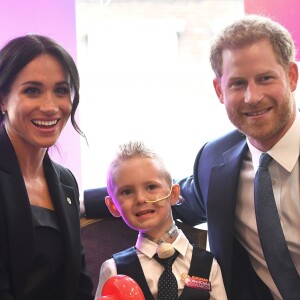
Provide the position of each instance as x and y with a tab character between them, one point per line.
211	195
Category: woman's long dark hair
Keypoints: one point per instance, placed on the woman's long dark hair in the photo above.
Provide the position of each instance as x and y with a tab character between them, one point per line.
17	53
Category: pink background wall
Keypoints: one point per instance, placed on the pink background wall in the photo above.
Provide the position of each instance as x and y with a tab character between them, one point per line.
56	19
285	12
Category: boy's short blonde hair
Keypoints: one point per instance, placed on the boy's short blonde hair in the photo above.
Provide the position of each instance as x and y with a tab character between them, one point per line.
134	149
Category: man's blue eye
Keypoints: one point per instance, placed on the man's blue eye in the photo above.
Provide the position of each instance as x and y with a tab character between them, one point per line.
265	78
238	83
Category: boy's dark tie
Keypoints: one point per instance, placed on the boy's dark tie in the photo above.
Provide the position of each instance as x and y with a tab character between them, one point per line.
167	283
273	243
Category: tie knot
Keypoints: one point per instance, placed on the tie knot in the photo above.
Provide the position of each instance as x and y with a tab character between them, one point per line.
167	262
264	160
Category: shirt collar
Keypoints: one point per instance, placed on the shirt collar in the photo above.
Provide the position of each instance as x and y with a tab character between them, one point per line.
291	141
148	248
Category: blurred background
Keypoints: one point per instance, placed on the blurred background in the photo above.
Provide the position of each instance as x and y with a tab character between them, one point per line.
146	76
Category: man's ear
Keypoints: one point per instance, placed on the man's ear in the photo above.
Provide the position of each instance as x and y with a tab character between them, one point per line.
111	206
218	89
293	76
175	194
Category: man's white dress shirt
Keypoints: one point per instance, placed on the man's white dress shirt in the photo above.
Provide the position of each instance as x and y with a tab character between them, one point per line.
284	170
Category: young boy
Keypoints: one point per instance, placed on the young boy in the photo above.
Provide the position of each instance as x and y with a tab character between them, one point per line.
141	192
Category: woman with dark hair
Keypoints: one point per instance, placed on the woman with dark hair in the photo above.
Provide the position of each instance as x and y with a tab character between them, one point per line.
41	256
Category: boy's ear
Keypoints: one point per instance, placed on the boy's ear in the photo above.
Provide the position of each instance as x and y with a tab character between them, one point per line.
111	206
175	194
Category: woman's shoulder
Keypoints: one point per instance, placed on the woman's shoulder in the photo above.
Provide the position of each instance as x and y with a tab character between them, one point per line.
64	174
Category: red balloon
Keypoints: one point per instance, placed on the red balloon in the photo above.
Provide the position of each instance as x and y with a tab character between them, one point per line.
121	287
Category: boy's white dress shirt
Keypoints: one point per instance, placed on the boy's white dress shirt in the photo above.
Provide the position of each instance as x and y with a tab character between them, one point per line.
152	269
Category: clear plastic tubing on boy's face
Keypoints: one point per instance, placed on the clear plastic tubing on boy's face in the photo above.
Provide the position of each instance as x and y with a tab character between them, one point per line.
160	201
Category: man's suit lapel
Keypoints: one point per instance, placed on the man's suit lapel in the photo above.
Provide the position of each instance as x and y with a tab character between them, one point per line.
224	179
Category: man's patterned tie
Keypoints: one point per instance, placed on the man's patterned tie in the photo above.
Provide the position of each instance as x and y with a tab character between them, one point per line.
273	243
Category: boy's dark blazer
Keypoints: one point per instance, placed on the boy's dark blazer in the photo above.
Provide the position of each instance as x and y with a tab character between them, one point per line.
16	229
211	197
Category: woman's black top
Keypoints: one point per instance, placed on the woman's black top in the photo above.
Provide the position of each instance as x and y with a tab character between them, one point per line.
45	280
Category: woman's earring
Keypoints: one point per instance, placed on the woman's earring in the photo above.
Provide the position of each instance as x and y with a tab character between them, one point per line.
3	112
